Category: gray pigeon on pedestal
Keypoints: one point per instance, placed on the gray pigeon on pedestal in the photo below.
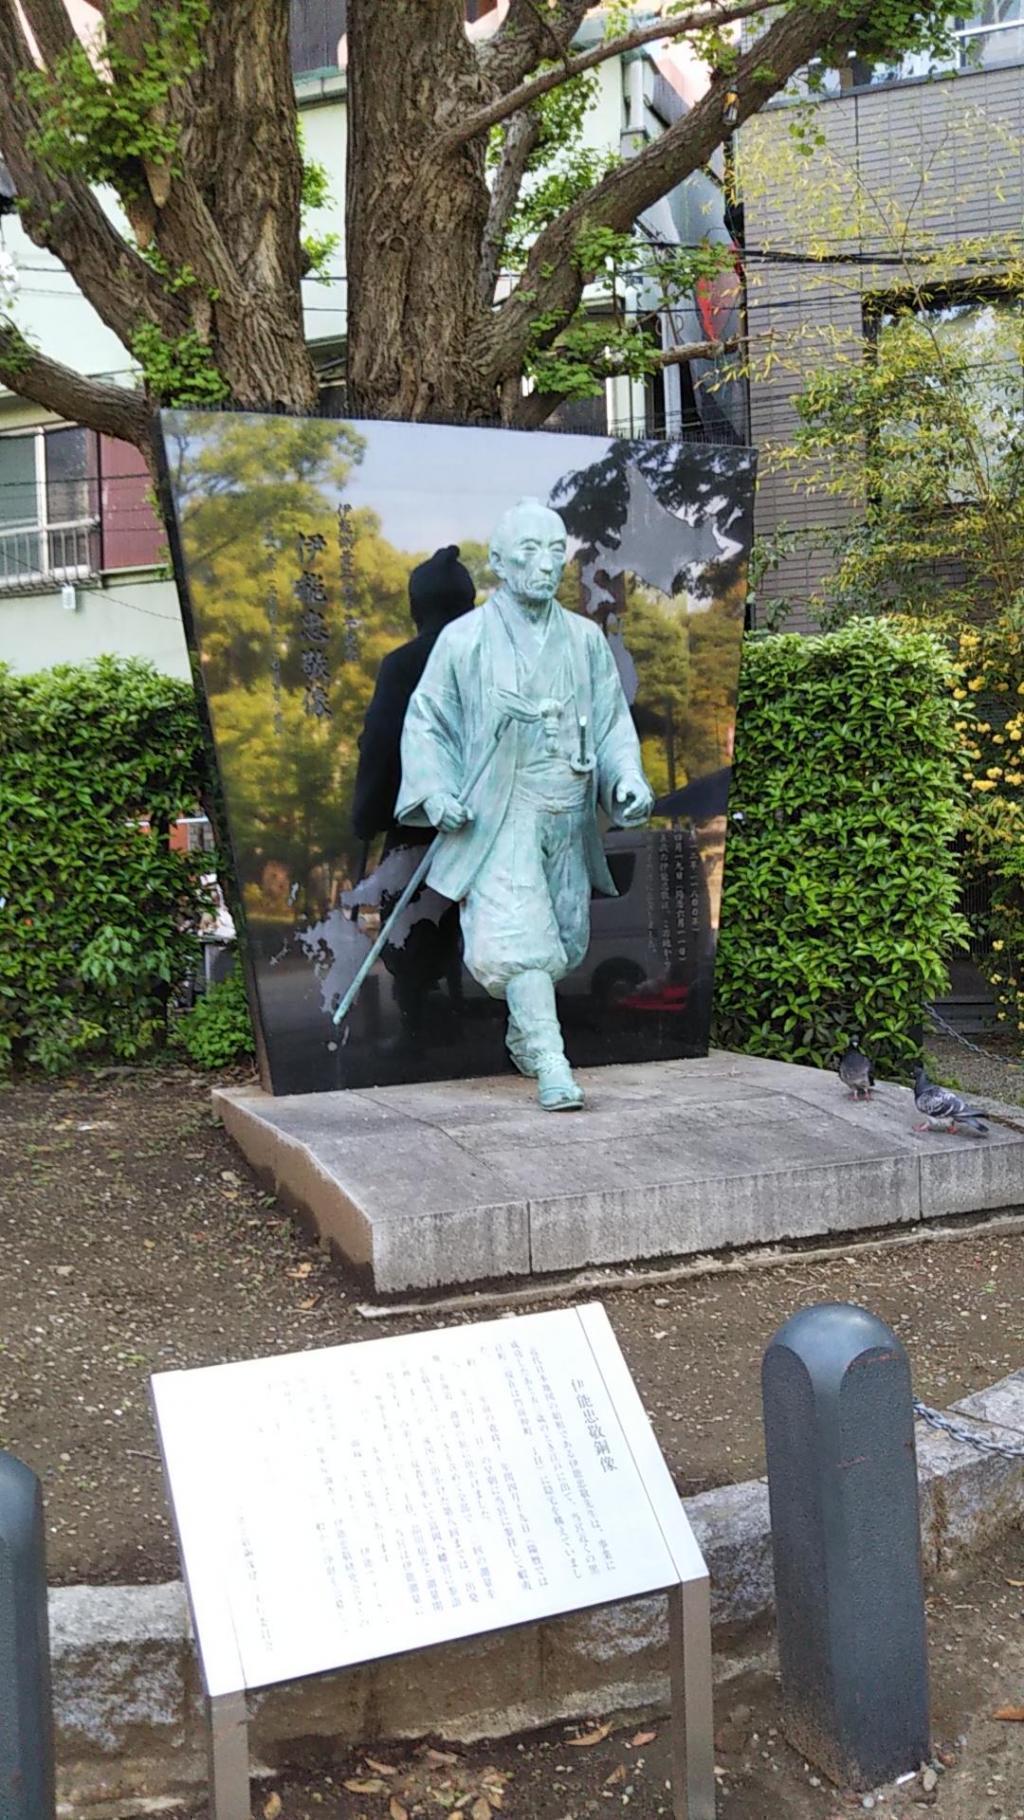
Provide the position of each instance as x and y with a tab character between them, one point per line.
945	1110
857	1071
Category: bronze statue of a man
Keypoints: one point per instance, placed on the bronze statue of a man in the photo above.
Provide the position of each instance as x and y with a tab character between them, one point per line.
525	696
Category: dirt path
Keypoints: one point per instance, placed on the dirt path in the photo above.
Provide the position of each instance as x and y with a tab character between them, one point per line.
976	1634
133	1239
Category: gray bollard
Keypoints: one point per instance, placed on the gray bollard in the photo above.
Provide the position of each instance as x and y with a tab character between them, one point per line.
26	1705
846	1540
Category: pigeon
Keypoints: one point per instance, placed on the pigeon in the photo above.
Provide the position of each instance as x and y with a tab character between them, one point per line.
945	1110
857	1071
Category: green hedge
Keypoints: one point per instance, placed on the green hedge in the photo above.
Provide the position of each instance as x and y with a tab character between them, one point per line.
839	903
98	917
838	909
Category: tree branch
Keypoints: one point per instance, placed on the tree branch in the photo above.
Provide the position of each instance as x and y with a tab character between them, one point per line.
511	101
112	409
534	408
553	281
61	213
51	28
521	136
531	27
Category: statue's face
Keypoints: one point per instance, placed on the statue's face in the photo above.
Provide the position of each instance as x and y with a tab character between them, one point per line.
531	557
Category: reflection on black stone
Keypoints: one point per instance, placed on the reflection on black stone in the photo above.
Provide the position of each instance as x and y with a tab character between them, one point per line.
425	948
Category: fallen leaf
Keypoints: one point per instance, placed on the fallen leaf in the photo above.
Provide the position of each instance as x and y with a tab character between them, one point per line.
1015	1714
380	1769
595	1737
440	1756
618	1775
272	1806
480	1810
304	1269
309	1302
642	1738
228	1175
396	1811
370	1785
1015	1582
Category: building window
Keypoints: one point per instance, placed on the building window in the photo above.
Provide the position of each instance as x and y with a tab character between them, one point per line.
963	357
49	507
993	35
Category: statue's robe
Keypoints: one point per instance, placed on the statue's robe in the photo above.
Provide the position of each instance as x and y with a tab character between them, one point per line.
524	867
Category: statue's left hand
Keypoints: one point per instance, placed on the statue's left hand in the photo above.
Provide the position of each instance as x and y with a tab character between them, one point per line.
633	801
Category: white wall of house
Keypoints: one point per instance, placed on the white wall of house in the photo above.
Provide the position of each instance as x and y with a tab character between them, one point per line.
133	615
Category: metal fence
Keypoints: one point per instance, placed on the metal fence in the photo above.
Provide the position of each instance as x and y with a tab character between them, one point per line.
34	558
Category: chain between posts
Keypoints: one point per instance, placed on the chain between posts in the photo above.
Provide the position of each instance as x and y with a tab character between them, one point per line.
965	1042
936	1418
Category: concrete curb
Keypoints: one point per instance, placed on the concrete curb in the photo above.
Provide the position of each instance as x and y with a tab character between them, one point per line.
126	1688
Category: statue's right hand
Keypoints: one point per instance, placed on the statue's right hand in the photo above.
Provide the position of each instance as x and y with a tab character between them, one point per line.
446	813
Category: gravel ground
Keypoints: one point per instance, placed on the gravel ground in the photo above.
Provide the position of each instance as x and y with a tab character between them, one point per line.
133	1239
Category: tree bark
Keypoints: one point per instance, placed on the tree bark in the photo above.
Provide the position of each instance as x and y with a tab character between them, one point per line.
416	217
227	207
423	340
424	232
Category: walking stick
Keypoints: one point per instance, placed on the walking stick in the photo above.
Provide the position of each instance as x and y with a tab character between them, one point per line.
413	885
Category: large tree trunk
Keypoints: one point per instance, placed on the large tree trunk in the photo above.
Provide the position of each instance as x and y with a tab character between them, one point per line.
417	329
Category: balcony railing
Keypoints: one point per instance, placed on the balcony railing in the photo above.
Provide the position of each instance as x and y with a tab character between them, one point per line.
979	43
37	558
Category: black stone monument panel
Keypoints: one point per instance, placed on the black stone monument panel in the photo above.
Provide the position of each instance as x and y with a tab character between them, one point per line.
294	540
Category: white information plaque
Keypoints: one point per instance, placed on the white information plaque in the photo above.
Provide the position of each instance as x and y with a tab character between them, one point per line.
339	1506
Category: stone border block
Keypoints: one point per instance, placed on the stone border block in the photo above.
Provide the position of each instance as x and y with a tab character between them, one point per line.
129	1716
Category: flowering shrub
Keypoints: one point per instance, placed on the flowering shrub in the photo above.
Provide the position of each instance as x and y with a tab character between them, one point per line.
989	695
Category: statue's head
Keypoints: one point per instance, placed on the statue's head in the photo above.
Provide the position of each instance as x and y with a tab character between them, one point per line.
528	549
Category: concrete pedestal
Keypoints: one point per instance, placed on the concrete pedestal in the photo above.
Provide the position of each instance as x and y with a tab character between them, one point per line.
459	1181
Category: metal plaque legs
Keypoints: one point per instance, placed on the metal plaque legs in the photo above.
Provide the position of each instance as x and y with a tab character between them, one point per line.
693	1758
228	1748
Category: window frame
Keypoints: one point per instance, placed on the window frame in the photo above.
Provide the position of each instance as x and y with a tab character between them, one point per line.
877	305
79	536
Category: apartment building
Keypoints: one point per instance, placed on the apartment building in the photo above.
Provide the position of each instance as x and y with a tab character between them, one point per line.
936	150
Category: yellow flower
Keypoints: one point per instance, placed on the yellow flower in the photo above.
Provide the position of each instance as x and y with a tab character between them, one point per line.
998	946
1015	777
1000	688
1015	732
959	694
994	771
998	740
1020	688
983	783
978	682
